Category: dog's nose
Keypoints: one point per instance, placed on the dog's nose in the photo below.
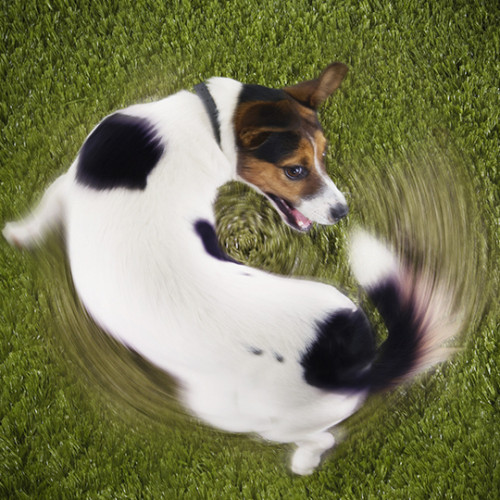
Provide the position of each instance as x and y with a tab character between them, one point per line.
338	212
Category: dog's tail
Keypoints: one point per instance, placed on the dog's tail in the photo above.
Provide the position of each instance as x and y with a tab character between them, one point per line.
415	310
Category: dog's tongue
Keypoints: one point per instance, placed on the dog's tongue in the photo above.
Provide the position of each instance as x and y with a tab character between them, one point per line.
301	220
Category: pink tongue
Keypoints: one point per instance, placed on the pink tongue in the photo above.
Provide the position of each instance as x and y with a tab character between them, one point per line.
301	220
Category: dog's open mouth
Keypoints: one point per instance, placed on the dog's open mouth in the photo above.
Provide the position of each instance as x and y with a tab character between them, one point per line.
290	214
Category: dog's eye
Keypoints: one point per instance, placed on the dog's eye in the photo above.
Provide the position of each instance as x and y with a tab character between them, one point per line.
296	172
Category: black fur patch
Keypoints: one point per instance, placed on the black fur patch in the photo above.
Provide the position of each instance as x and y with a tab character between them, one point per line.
208	237
278	146
398	354
251	92
343	349
120	152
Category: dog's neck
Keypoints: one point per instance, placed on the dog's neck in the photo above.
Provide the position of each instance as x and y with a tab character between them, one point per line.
188	193
224	92
204	94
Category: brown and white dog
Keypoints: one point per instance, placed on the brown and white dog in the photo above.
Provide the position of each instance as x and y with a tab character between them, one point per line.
284	358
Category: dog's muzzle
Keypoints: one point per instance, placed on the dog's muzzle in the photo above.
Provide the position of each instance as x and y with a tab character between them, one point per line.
338	212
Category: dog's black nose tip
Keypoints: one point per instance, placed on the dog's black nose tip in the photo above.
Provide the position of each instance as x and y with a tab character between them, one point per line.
338	212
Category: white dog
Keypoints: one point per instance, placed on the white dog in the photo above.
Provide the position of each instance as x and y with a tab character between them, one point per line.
253	352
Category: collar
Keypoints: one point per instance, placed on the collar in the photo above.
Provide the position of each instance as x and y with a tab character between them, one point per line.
203	93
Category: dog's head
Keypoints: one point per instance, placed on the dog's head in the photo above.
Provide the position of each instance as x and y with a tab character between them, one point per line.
281	149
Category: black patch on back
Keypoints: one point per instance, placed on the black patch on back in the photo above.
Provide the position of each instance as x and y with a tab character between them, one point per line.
120	152
251	92
343	349
208	237
278	146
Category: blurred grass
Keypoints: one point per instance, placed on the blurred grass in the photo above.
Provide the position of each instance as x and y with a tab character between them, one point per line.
423	86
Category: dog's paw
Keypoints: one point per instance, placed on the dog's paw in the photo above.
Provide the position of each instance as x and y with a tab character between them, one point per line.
307	456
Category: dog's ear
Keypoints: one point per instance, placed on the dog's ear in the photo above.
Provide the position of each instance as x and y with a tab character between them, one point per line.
255	121
313	93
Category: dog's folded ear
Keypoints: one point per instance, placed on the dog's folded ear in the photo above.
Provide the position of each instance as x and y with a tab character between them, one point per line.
256	120
313	93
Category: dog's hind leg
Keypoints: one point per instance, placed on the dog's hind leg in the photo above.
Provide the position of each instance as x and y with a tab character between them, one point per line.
307	456
31	230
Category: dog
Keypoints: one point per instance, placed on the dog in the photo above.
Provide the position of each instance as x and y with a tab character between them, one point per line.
253	352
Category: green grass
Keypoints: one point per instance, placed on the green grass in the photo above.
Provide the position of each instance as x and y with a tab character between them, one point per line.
414	142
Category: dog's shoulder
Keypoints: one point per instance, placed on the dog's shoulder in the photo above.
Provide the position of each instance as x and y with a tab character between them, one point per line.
125	147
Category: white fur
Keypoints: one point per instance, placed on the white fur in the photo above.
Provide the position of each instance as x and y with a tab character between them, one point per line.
318	208
371	261
143	274
328	196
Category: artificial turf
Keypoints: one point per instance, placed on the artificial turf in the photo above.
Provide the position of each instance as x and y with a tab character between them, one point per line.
414	142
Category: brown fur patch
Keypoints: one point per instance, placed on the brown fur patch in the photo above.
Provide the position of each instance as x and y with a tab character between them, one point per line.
269	176
313	93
